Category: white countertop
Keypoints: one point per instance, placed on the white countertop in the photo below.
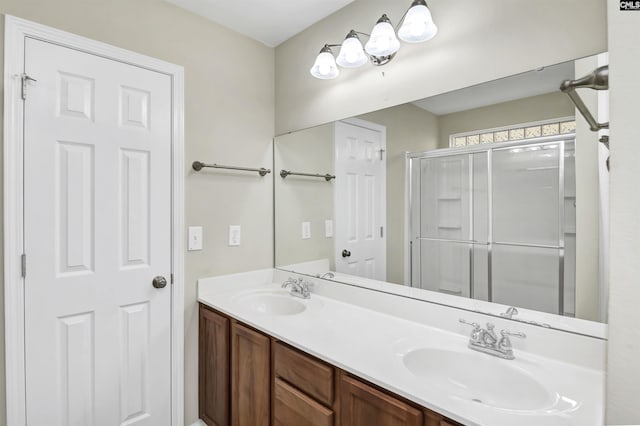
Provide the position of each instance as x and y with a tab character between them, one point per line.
370	343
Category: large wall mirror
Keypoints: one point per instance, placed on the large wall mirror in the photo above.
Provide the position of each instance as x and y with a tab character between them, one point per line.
482	198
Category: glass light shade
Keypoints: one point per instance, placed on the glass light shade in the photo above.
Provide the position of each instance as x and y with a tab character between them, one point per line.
418	25
351	53
325	67
383	40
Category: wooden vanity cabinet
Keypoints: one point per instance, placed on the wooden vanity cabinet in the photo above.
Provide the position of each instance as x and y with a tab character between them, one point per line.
250	377
213	368
435	419
364	405
247	378
293	407
303	389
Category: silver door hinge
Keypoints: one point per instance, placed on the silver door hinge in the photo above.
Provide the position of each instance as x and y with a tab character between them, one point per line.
382	232
23	265
171	279
25	80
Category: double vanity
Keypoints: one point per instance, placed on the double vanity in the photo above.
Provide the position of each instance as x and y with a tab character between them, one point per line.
289	349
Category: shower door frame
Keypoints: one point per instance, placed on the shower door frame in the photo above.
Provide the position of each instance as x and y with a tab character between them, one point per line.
411	236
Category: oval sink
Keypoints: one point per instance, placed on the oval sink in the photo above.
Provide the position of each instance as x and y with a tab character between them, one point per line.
271	303
480	378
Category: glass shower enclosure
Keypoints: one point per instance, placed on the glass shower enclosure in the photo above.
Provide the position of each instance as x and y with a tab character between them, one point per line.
496	222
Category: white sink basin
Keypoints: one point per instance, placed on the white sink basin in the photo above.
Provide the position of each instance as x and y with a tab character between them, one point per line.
271	303
480	378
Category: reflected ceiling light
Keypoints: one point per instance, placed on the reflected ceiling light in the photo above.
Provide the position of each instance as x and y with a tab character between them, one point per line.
351	52
325	66
416	26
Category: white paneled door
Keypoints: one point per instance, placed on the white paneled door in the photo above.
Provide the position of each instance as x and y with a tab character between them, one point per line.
97	203
360	199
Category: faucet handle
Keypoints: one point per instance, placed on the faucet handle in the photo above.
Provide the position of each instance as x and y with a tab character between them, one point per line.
291	281
519	334
475	325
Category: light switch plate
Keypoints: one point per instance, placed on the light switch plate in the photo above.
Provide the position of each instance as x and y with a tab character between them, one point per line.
328	228
195	238
306	230
234	235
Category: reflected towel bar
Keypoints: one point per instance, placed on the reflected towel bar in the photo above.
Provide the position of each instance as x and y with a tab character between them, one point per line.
285	173
597	80
197	166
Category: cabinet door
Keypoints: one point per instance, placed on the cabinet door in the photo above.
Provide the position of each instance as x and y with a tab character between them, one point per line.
250	377
434	419
213	366
362	405
292	407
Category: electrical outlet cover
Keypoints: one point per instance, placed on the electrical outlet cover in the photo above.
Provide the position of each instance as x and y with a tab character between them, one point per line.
234	235
306	230
328	228
195	238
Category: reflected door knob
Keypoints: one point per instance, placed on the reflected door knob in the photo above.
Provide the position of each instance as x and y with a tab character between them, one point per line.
346	253
159	282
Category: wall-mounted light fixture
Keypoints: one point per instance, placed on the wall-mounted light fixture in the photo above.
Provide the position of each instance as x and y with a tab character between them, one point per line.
416	26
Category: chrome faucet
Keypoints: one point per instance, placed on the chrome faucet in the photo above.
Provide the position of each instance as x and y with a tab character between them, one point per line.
299	287
486	340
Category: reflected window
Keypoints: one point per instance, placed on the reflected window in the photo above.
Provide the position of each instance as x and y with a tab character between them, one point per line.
558	126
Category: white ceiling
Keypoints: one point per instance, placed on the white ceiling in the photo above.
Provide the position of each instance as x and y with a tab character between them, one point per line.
519	86
268	21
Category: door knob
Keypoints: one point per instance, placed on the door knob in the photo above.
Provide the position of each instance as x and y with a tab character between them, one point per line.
346	253
159	282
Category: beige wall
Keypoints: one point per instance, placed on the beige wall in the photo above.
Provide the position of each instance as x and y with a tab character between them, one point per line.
623	379
230	110
229	119
477	42
409	129
304	199
527	110
587	205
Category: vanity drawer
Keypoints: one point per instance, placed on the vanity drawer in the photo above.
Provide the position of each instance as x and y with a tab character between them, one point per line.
311	376
435	419
292	407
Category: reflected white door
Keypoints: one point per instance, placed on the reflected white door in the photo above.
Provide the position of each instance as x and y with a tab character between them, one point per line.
360	199
97	231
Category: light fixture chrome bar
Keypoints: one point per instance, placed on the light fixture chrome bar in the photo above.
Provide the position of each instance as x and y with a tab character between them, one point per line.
198	165
285	173
597	80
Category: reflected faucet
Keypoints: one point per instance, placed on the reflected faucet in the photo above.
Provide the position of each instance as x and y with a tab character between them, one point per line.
510	313
325	275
